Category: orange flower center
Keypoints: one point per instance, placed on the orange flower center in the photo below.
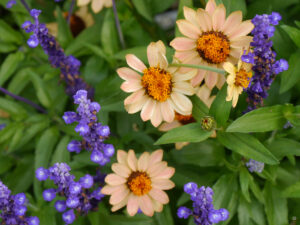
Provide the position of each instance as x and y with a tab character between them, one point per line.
158	83
139	183
213	47
243	78
184	119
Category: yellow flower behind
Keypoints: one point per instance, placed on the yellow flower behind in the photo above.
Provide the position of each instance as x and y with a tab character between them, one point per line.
238	79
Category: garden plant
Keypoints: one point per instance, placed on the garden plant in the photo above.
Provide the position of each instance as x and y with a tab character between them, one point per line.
149	112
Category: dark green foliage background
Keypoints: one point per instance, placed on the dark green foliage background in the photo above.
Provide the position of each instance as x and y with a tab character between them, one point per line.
32	139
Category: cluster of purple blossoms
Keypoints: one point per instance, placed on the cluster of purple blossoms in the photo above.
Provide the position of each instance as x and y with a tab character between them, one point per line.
255	166
10	3
203	209
69	65
265	66
94	134
81	196
13	208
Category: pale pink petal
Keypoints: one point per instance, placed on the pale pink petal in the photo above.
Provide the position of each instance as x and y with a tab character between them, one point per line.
198	78
236	52
155	56
156	117
204	20
232	21
159	195
132	160
131	86
114	179
136	106
148	109
186	55
146	205
118	196
183	44
167	111
158	207
211	79
122	157
156	156
210	6
134	97
133	204
241	42
243	29
108	190
128	74
169	126
184	76
155	169
166	174
162	184
162	48
97	6
82	2
218	17
135	63
120	205
163	61
221	81
143	161
190	15
188	29
184	88
121	169
182	102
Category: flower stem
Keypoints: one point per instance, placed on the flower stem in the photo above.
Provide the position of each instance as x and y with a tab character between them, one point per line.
19	98
26	5
70	11
118	25
213	69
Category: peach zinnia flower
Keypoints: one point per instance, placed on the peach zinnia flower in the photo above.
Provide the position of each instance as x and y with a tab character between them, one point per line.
160	91
211	39
97	5
139	183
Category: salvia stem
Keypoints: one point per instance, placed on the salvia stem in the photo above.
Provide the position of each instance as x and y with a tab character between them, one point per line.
70	11
19	98
26	5
117	21
213	69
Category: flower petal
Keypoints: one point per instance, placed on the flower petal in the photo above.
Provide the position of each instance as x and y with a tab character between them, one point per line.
167	111
188	29
221	81
156	117
229	68
108	189
232	21
166	174
158	207
184	88
148	109
155	57
162	184
182	102
122	157
134	97
183	44
120	205
128	74
146	205
241	42
131	86
190	15
243	29
119	195
184	76
135	63
132	160
121	169
169	126
133	204
211	79
218	17
114	179
156	156
159	195
155	169
198	78
204	20
210	6
136	106
143	161
97	6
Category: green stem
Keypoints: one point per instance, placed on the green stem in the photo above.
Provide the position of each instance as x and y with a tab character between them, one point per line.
200	67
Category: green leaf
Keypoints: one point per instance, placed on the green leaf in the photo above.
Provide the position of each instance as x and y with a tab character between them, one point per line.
61	153
220	108
13	108
64	35
165	217
293	191
256	190
7	47
159	6
275	206
139	51
259	120
189	133
143	8
281	147
244	182
199	108
293	32
244	210
235	5
18	82
40	87
294	117
14	142
247	146
226	195
10	65
8	34
291	76
5	164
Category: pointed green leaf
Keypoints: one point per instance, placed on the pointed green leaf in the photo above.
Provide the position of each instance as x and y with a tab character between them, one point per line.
199	108
281	147
220	108
64	34
293	32
293	191
8	34
189	133
259	120
61	153
291	76
244	210
10	65
144	8
244	182
247	146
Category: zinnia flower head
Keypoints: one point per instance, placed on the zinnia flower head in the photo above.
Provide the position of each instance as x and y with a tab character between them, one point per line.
139	183
238	79
160	91
97	5
211	39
